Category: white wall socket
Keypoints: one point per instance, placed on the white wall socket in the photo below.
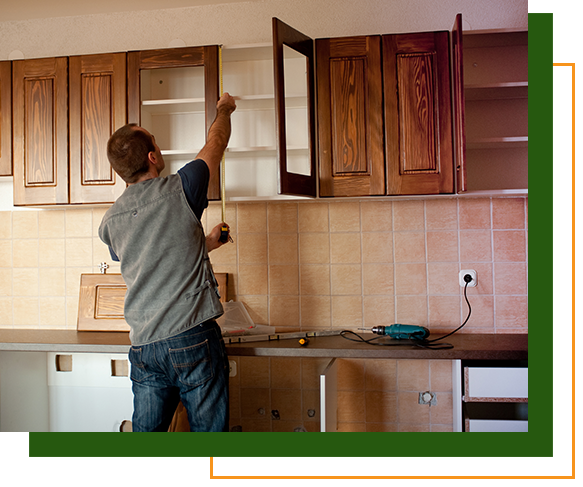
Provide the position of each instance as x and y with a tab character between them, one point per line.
471	272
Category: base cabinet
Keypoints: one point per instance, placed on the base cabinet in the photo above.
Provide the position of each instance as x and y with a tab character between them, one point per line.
495	398
64	392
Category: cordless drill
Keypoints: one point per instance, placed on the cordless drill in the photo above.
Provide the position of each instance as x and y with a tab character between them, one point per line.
402	332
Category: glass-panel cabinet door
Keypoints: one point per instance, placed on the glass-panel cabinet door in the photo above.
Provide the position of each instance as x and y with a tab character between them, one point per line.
293	62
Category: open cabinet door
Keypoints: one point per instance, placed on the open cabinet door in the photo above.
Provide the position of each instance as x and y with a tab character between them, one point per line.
293	64
459	103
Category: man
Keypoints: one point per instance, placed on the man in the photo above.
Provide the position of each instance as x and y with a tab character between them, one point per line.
172	298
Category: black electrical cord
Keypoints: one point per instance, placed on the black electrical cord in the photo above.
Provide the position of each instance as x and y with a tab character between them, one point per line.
465	321
418	342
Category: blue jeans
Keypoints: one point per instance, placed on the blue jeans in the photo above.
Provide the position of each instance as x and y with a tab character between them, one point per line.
192	367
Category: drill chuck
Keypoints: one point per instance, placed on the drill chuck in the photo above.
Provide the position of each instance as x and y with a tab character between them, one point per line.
402	332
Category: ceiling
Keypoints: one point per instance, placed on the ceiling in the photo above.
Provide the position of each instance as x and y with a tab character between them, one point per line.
41	9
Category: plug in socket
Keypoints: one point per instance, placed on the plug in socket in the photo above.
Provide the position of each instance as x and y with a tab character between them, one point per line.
471	272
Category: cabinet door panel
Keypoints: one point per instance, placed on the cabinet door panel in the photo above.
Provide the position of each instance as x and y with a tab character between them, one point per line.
418	119
40	131
350	116
97	94
5	118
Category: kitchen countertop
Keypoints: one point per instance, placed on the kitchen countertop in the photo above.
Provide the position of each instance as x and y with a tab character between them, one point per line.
466	346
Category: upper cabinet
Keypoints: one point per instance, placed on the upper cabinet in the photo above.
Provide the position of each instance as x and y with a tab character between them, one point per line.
418	118
5	118
495	88
173	94
422	113
40	131
97	108
64	111
374	115
350	116
384	115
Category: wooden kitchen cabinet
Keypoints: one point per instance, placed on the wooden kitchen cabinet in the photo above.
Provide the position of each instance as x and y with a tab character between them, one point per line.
495	397
40	131
384	115
271	153
64	111
173	94
97	108
350	116
418	116
5	118
495	88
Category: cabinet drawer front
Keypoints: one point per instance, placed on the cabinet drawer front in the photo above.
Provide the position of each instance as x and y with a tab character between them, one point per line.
508	383
499	426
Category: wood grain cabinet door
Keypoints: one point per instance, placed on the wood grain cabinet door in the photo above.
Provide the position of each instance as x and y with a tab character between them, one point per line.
418	114
5	118
350	116
40	132
97	104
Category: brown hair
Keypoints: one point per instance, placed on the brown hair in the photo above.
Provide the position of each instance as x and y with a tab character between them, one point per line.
127	151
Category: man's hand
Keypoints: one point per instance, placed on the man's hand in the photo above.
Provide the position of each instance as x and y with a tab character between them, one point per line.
213	238
226	104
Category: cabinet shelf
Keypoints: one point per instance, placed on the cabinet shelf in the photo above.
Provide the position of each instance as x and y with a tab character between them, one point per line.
234	151
170	106
497	142
496	91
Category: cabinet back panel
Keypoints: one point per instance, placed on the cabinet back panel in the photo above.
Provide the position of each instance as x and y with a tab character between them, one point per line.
483	66
173	83
497	168
248	78
496	118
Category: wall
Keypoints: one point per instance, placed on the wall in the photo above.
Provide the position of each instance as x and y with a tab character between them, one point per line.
247	22
339	264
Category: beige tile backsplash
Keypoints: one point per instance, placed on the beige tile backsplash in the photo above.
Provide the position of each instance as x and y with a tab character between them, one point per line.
305	264
312	265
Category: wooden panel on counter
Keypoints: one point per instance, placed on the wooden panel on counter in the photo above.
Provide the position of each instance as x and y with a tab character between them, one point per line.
101	301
